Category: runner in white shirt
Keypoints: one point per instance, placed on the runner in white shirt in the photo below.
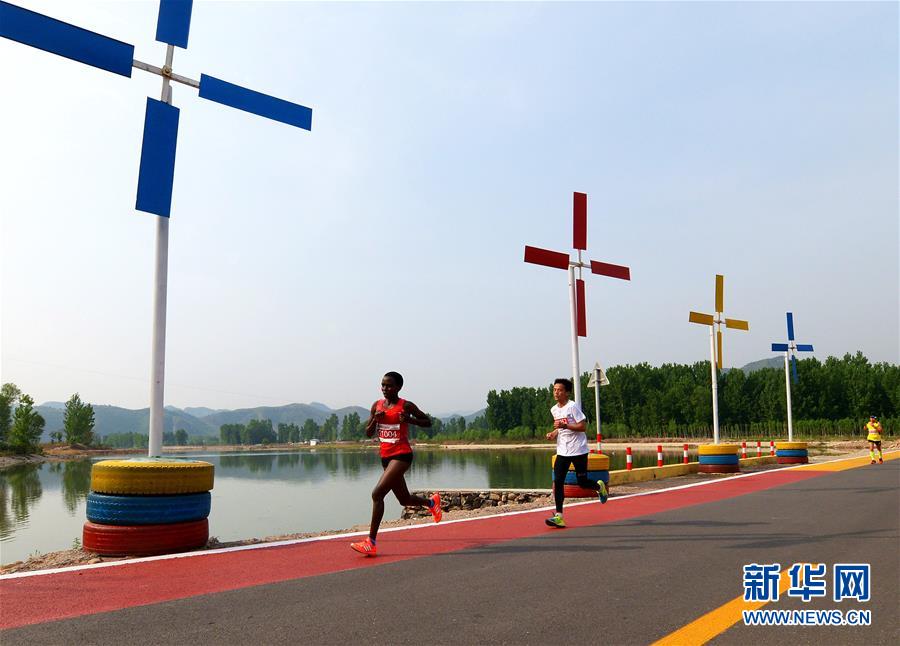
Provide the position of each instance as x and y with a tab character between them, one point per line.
569	425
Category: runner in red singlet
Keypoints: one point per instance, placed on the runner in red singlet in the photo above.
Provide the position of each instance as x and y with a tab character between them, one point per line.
390	419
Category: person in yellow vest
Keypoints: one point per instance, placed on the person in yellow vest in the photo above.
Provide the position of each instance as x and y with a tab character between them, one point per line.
873	428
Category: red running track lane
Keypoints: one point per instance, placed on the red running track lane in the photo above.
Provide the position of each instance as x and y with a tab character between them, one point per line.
50	597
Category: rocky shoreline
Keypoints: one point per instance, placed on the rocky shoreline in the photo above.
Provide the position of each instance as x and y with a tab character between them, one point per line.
469	499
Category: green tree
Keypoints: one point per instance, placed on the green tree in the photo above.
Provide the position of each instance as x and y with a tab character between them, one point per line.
181	437
78	421
309	430
27	426
126	440
9	397
330	428
258	431
56	437
351	427
231	434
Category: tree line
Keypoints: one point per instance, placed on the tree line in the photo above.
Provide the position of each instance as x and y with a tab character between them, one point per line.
831	398
261	431
351	428
834	397
134	440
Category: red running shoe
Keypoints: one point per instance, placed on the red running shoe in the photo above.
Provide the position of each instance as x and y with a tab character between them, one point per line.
436	512
364	547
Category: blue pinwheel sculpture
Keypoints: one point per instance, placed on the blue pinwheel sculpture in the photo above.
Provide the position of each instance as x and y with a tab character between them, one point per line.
790	350
157	167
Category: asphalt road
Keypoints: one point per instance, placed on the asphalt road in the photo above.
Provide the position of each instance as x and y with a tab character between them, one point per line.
627	582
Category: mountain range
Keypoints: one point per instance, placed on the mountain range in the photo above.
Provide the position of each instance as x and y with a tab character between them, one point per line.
201	421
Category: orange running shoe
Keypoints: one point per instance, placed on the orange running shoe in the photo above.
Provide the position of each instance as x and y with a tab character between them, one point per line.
436	512
366	548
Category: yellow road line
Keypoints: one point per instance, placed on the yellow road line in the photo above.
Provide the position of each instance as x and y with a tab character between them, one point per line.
719	620
714	623
851	463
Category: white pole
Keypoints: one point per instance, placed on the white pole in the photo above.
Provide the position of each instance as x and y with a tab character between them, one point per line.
160	286
157	378
787	381
597	403
715	385
576	381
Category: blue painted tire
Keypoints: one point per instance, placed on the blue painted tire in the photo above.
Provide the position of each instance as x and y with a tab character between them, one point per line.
791	453
147	510
595	476
572	479
718	459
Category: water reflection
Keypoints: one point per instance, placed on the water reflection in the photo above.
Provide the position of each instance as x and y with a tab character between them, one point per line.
76	483
20	489
518	469
293	467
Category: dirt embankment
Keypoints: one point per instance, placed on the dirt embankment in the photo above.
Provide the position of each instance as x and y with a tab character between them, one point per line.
61	454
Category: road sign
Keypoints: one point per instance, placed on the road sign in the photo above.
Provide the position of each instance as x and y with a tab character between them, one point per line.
592	382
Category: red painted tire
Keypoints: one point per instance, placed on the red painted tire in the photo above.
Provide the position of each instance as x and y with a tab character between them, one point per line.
719	468
792	460
574	491
144	540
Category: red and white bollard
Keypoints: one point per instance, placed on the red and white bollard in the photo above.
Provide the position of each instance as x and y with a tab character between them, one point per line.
659	460
628	458
771	447
685	453
758	448
599	443
744	450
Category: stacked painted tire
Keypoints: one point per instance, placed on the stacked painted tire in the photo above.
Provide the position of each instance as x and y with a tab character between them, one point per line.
791	453
719	458
598	469
147	506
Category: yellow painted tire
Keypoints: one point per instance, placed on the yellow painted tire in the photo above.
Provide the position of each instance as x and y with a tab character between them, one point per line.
596	462
149	476
719	449
790	446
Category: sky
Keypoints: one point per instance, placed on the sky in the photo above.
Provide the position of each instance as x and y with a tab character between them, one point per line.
754	140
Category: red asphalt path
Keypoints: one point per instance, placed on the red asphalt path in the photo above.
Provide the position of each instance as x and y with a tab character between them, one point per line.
49	597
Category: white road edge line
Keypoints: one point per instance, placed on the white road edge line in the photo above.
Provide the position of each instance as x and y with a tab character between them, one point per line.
296	541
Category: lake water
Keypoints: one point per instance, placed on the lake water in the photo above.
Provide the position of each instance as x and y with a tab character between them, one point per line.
42	506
